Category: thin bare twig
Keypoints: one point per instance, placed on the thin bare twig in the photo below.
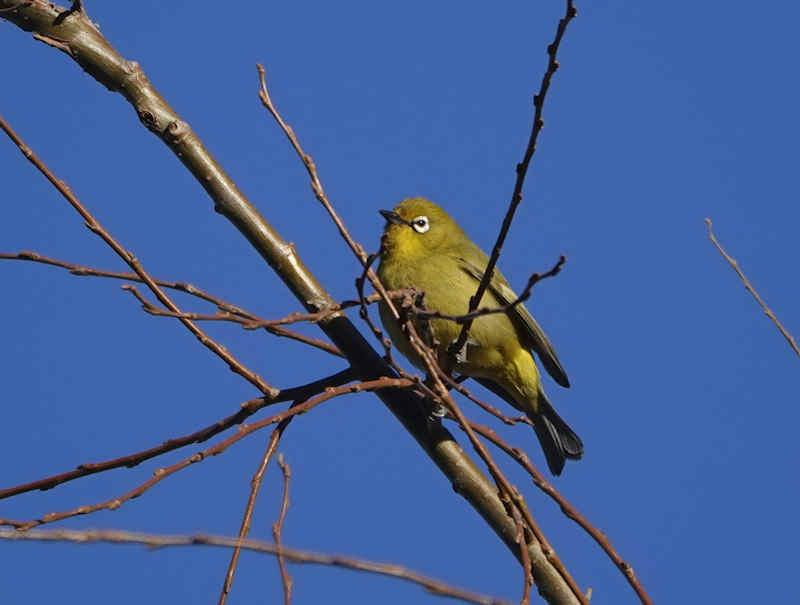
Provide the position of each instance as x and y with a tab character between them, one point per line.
95	227
246	409
519	456
85	271
277	531
298	317
294	555
319	191
247	517
363	312
522	170
251	322
527	576
308	162
244	430
749	287
317	343
335	308
246	321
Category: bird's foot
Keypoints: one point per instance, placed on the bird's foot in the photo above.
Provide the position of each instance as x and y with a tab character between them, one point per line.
438	411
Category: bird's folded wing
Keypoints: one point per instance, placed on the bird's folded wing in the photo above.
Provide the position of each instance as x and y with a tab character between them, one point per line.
535	337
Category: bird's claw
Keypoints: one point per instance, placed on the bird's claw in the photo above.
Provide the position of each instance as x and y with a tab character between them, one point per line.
438	412
461	355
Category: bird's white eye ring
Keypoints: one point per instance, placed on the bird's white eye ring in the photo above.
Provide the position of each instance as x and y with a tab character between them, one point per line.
420	224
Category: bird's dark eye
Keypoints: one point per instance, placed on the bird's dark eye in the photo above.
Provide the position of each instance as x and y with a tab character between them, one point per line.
420	224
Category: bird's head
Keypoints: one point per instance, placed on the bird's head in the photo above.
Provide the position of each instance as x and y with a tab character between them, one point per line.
416	228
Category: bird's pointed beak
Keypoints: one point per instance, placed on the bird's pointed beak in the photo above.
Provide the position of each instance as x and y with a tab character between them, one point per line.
392	217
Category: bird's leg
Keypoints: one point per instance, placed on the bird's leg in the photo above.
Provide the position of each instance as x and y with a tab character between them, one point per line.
412	301
460	356
438	411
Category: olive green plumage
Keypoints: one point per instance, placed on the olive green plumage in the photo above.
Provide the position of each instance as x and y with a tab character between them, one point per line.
424	248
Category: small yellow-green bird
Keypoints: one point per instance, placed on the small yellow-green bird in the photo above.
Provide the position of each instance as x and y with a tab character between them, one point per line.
425	249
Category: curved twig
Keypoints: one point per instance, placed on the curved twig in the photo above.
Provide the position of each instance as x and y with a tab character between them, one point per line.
277	530
247	516
294	555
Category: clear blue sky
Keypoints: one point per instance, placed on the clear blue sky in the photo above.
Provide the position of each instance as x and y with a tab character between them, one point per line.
684	393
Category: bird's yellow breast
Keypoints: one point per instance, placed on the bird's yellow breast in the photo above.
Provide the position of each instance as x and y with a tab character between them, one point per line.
493	348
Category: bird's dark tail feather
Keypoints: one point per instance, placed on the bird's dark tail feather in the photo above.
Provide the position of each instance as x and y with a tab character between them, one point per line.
557	439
